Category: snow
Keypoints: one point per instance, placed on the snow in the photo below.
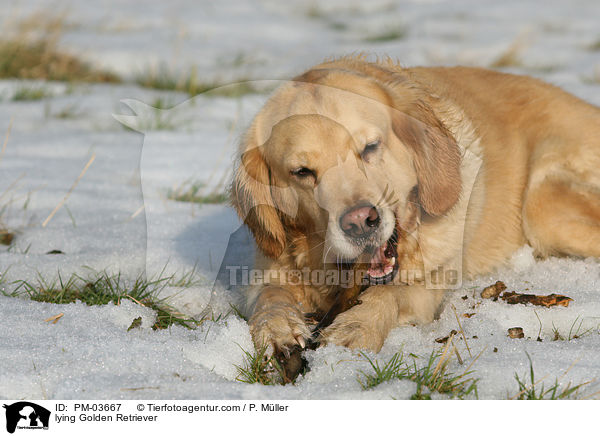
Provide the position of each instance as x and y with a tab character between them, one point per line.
89	352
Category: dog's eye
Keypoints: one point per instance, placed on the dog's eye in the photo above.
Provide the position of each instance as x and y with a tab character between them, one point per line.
302	172
370	148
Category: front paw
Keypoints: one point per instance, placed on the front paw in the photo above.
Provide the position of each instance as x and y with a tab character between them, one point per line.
279	329
351	329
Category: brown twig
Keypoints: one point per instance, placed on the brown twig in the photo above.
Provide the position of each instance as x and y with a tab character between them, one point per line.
54	319
462	332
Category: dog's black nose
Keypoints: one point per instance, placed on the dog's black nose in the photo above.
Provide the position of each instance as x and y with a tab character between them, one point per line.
360	221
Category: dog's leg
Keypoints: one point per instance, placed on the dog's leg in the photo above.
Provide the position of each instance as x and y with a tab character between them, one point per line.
382	308
563	217
277	321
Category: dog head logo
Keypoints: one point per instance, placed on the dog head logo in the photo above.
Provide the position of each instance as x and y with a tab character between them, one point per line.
26	415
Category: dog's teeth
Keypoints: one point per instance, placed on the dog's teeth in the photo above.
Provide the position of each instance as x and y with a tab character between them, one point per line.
301	342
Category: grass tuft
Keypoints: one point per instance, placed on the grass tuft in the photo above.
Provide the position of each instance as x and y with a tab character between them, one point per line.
68	112
258	368
31	50
434	376
103	288
193	192
575	332
237	312
393	369
41	59
31	93
390	34
534	392
189	83
186	279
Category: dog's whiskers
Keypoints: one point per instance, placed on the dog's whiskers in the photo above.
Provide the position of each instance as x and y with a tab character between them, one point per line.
388	199
320	244
326	253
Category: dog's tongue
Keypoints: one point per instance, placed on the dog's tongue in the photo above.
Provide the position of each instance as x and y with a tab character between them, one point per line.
382	262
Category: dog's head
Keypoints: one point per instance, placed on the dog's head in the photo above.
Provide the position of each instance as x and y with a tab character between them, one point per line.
357	152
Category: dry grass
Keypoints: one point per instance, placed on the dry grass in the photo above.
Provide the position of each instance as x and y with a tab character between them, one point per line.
512	56
31	93
194	192
536	390
433	377
162	78
43	22
30	50
41	59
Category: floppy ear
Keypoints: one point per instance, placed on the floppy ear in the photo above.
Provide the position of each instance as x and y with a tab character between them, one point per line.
251	197
437	156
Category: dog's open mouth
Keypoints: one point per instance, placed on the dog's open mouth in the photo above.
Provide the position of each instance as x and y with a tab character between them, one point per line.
384	262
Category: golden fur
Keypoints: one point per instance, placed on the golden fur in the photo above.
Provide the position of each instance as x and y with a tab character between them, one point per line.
471	165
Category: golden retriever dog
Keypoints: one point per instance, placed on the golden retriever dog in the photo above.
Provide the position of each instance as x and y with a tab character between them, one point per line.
421	175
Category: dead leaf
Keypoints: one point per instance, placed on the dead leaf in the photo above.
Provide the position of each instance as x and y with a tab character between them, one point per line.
493	291
538	300
444	339
6	237
468	315
54	319
516	332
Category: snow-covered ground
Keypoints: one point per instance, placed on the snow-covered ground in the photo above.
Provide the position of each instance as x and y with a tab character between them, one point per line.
119	220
